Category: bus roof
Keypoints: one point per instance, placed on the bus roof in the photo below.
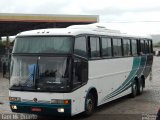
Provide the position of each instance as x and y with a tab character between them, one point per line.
74	30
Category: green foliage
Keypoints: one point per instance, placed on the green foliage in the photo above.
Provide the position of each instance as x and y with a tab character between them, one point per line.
4	43
157	44
1	43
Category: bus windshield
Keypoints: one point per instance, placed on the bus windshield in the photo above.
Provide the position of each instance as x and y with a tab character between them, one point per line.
43	44
40	73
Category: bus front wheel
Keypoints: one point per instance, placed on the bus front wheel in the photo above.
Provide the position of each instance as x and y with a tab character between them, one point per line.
89	105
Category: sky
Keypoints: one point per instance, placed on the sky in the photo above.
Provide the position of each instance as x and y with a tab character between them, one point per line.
131	16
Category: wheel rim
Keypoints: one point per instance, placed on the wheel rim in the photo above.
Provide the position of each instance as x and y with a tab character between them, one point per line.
141	88
89	105
134	89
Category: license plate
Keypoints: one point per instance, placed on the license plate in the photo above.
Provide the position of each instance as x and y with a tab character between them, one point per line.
36	109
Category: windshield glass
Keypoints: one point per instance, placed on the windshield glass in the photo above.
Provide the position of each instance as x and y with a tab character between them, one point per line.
43	44
40	73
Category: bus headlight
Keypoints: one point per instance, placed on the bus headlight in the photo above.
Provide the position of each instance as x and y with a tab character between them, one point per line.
14	99
14	107
61	110
57	101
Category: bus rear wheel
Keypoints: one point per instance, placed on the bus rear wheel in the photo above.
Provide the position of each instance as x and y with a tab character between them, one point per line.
134	90
140	87
89	105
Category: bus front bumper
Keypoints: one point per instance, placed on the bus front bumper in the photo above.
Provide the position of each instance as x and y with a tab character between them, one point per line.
41	108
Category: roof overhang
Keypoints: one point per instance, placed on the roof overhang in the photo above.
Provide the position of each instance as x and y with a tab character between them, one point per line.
11	24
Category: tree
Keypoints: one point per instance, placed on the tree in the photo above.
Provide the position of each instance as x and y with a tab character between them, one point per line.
157	44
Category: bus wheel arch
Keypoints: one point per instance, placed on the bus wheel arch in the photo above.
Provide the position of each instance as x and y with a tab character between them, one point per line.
95	94
91	97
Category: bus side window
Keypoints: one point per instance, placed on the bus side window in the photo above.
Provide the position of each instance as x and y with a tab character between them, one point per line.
117	47
142	47
94	47
80	72
126	47
150	46
106	47
80	46
134	47
146	46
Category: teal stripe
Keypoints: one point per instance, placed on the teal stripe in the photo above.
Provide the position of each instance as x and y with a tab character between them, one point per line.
40	104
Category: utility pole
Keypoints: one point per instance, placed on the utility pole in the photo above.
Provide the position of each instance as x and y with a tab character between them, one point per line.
0	55
7	52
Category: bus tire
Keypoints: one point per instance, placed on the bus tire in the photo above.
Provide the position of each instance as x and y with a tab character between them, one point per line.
140	87
134	90
89	105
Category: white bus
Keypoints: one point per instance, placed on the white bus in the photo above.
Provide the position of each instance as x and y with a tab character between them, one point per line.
66	71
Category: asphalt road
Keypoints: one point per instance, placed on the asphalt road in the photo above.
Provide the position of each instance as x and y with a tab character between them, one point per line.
143	107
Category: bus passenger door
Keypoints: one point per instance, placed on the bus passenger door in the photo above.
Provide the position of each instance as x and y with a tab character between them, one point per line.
80	72
80	78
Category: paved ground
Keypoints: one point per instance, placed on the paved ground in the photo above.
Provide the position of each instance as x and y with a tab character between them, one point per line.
143	107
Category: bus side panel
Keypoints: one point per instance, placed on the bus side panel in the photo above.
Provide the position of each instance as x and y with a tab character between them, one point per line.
78	100
148	66
78	97
112	76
